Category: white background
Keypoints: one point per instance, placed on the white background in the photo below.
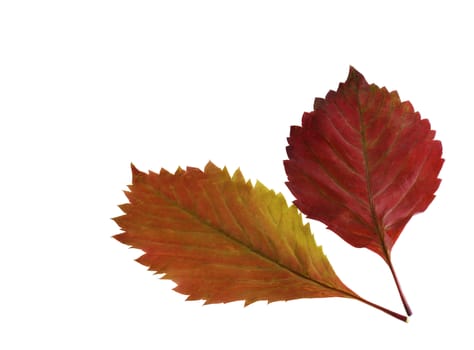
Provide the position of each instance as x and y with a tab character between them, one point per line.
86	87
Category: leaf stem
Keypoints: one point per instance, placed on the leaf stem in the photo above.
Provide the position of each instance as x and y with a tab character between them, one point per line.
400	292
381	308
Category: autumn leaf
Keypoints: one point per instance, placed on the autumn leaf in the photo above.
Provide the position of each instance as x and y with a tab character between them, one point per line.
221	239
363	163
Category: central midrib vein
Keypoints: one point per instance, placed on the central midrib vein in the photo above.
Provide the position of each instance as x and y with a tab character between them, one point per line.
378	229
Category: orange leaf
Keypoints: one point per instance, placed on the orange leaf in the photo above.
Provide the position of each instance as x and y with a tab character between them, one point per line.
222	239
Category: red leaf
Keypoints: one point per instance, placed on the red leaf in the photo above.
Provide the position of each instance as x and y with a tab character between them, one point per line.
222	239
363	163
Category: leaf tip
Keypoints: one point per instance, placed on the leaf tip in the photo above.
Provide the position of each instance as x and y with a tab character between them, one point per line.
352	70
355	75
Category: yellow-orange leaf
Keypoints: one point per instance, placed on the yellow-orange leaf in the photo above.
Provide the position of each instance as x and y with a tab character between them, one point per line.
221	239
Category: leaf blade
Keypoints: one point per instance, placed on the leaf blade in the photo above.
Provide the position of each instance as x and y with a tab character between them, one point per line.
222	239
363	163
